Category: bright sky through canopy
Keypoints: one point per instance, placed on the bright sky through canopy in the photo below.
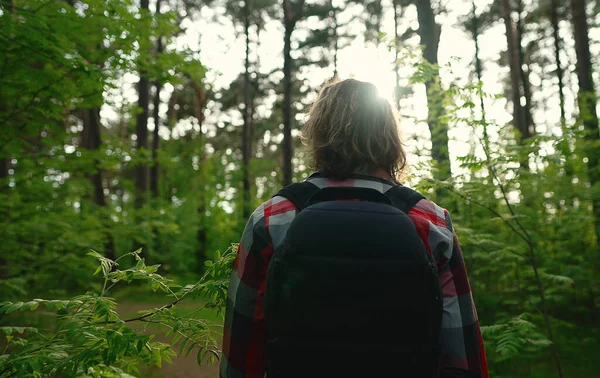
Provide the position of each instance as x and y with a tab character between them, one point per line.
223	52
221	46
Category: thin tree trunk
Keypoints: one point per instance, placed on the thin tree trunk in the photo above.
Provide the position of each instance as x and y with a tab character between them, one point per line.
478	64
523	74
334	36
559	70
155	169
247	114
141	171
587	100
396	6
513	61
91	140
287	99
290	17
3	170
429	33
201	235
4	164
141	181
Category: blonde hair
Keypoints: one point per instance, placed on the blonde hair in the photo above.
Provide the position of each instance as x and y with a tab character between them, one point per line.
351	129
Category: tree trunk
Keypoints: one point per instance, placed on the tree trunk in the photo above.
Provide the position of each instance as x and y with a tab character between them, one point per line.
587	100
4	163
155	170
289	20
520	122
141	170
91	140
247	114
287	102
396	6
3	170
334	36
523	74
478	64
429	32
201	235
559	70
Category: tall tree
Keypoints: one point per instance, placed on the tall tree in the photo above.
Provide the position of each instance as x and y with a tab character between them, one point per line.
475	30
523	73
141	170
199	103
519	118
334	35
155	169
557	48
397	16
429	32
4	164
91	140
291	14
247	114
371	18
587	100
321	47
3	167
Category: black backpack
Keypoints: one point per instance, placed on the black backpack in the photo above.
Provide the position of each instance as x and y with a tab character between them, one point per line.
352	291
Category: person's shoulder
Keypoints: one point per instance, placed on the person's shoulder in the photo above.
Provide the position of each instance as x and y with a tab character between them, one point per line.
273	206
278	204
430	211
428	206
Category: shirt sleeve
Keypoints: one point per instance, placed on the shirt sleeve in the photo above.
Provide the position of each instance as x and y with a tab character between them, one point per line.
461	341
244	332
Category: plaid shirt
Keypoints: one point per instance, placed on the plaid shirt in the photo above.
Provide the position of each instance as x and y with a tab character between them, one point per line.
244	335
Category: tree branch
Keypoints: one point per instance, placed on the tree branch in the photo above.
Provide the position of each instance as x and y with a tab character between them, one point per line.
449	188
168	306
532	256
36	94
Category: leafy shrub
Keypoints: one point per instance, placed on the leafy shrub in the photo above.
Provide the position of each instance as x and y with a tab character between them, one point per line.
91	339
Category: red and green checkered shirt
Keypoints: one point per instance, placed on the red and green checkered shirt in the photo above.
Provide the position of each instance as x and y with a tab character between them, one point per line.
244	335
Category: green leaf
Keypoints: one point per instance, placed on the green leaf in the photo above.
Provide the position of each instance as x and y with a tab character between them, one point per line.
32	305
200	357
20	330
156	357
13	307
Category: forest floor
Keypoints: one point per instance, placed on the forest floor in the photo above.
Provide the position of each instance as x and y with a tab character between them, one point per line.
183	367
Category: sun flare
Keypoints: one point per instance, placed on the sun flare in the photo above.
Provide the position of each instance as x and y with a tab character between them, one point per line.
369	64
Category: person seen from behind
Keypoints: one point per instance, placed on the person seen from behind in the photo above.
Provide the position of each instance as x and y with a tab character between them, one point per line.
350	273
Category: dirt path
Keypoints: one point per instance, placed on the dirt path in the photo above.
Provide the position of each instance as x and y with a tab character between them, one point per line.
181	367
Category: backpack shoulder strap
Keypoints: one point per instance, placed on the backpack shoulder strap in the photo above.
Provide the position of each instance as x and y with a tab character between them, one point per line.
403	198
298	193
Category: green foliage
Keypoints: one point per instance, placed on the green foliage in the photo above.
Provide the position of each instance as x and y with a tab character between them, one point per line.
53	74
522	210
519	229
89	338
516	338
